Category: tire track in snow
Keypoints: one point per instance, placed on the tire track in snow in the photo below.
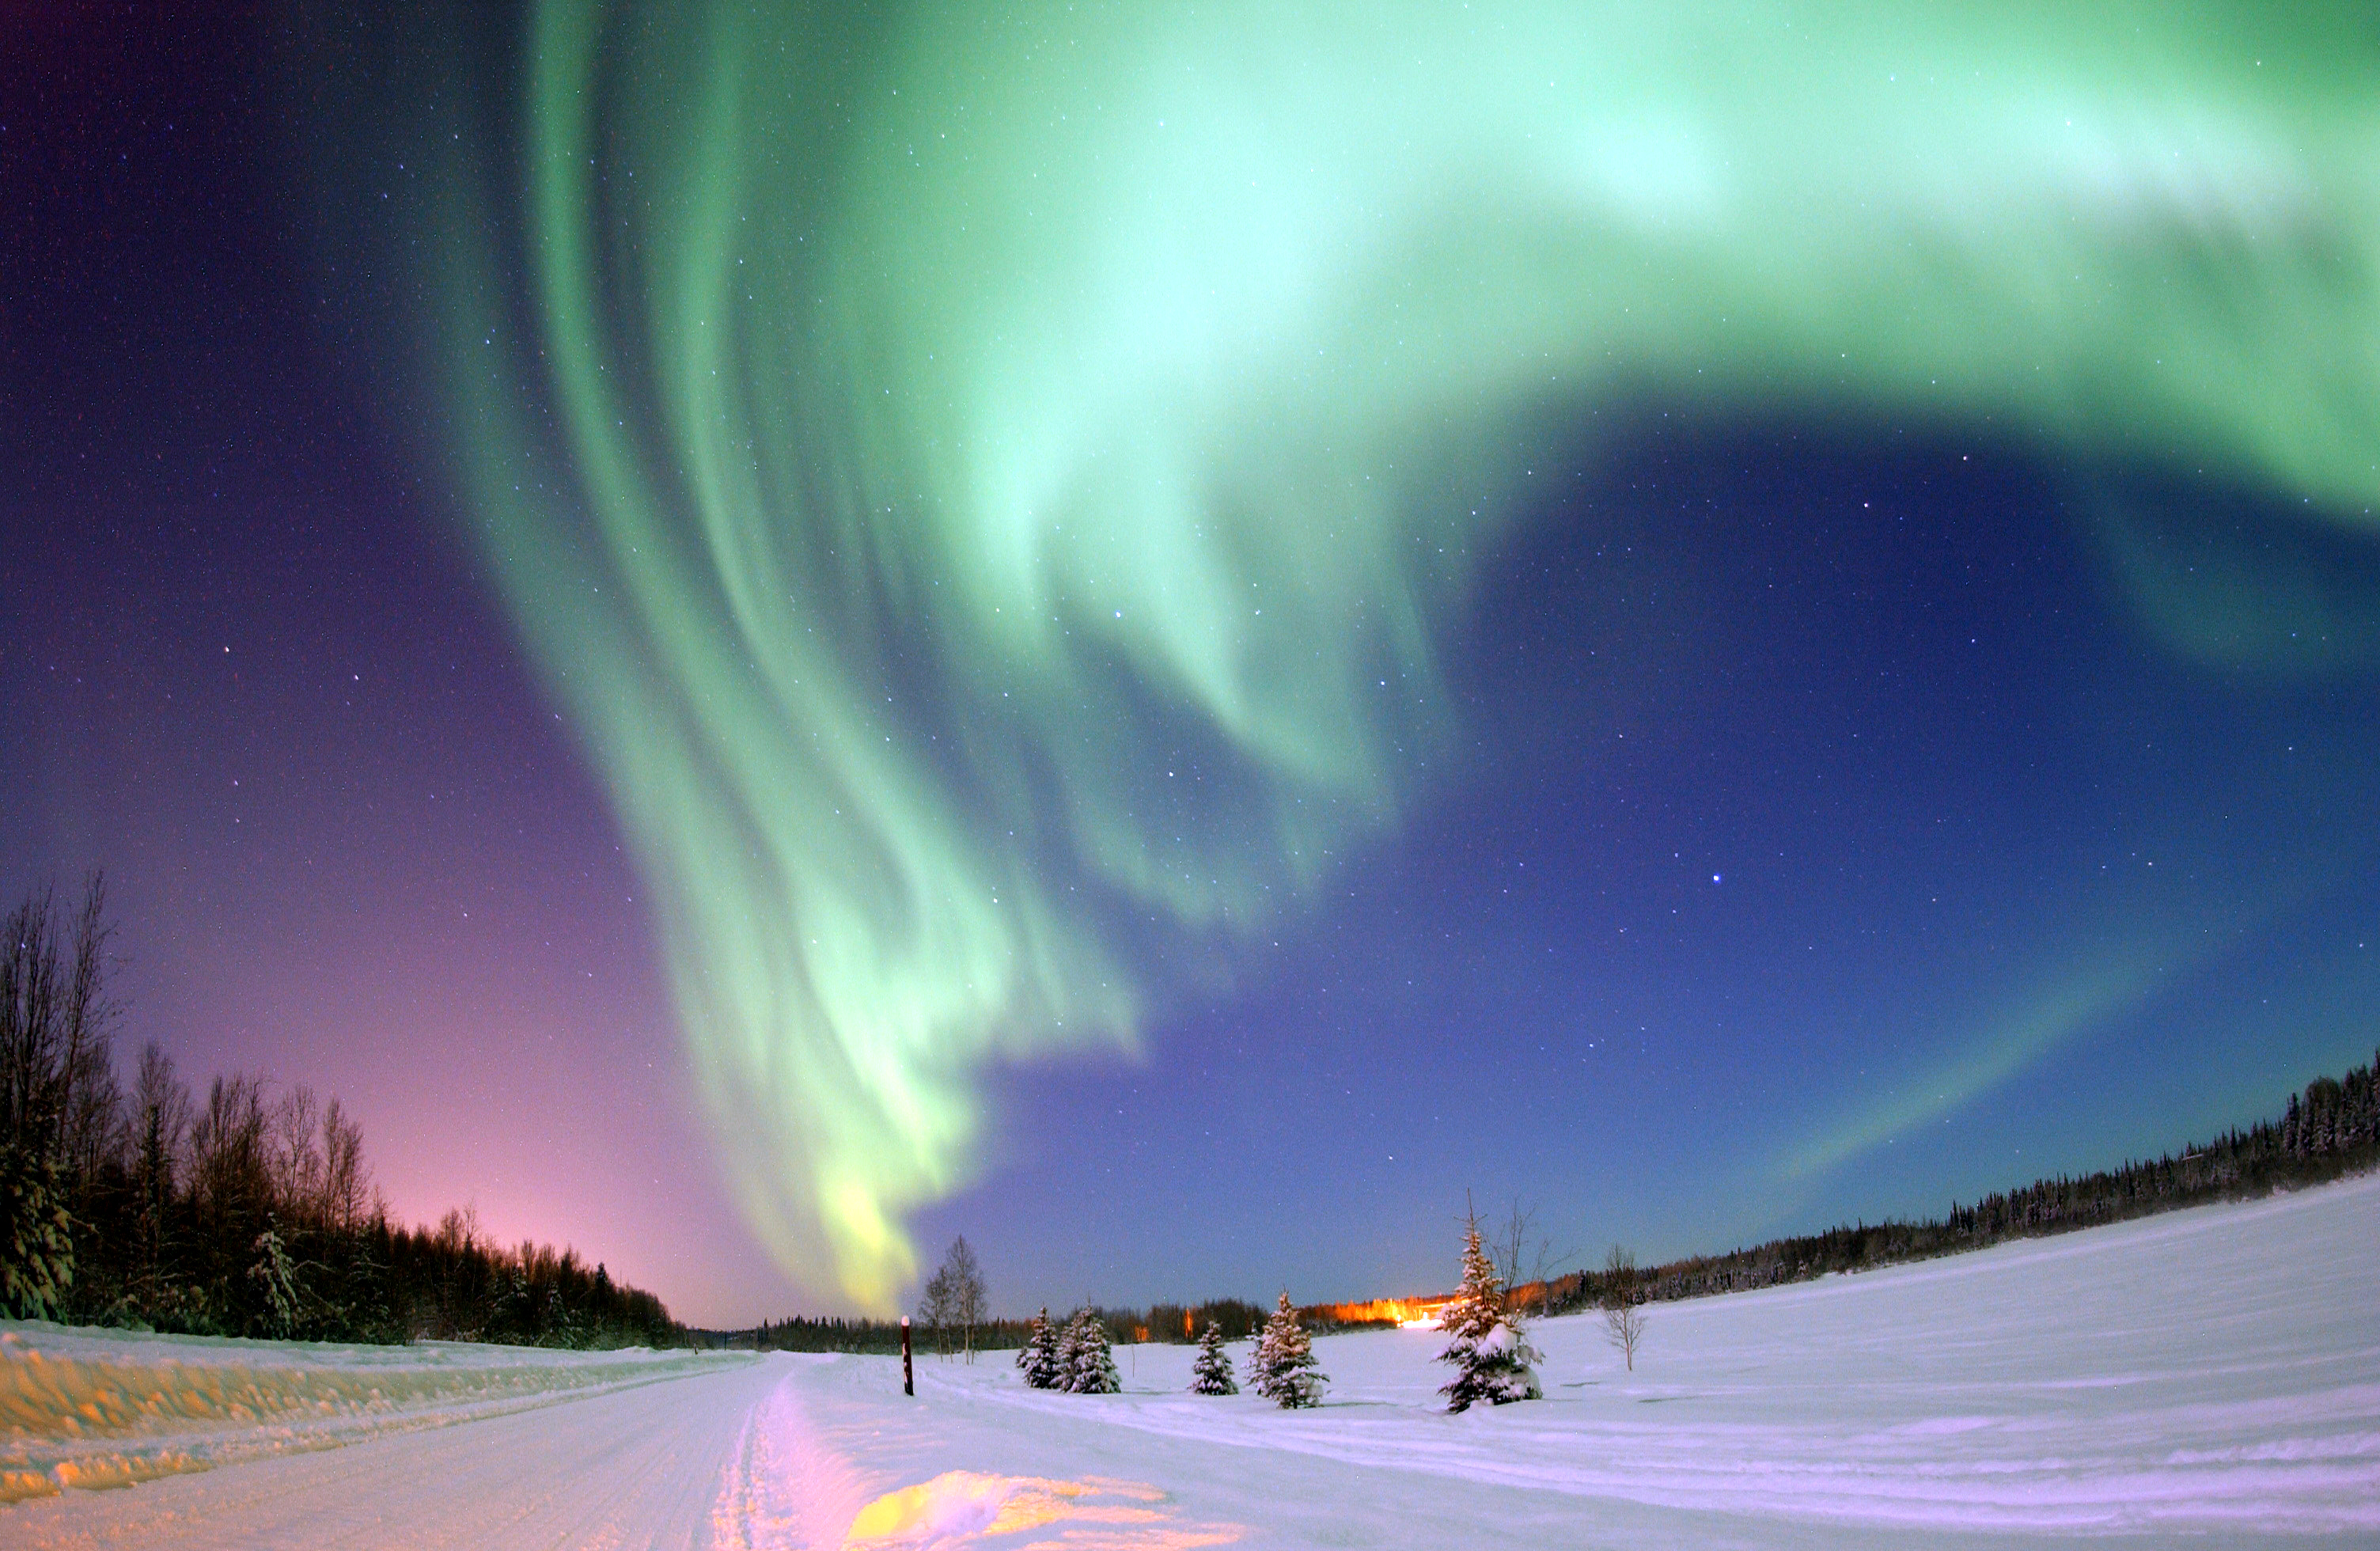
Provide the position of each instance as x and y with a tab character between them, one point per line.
783	1486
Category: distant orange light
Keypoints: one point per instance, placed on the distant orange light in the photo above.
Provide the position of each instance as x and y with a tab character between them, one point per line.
1411	1313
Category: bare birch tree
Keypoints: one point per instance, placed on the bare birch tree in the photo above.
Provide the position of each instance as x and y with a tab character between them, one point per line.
346	1183
1525	1258
934	1303
970	1302
296	1158
953	1302
1623	1304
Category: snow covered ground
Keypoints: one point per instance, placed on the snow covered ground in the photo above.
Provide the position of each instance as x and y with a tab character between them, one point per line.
2211	1375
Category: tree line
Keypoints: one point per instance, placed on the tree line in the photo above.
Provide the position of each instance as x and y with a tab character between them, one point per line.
1176	1324
2330	1130
240	1212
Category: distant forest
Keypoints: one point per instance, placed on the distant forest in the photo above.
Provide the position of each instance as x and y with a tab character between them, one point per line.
1178	1322
2332	1129
240	1213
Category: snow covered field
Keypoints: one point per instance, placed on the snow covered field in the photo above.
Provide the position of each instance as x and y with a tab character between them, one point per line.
2211	1375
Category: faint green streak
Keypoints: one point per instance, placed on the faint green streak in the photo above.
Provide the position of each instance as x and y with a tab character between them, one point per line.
2077	1003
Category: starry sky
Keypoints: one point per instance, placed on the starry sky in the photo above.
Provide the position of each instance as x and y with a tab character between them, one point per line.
768	635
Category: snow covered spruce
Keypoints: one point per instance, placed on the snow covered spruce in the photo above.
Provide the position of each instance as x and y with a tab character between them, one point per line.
1493	1360
1211	1373
1076	1359
1282	1368
1038	1355
1085	1366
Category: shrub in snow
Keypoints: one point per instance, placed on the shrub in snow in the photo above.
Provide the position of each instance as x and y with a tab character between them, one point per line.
1211	1373
1085	1366
1283	1369
1039	1356
1493	1360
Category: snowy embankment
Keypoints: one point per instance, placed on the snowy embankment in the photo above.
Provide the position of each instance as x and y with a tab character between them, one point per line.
96	1409
2211	1375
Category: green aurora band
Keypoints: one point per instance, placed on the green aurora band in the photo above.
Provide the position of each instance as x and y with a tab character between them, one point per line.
914	449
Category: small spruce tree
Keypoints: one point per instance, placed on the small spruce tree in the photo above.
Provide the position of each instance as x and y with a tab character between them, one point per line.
274	1273
1088	1367
1493	1360
1285	1367
1211	1373
36	1232
1039	1356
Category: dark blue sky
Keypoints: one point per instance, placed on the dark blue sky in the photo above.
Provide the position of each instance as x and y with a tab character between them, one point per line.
1830	829
1830	840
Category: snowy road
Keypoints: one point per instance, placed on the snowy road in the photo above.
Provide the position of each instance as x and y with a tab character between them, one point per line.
636	1466
2211	1376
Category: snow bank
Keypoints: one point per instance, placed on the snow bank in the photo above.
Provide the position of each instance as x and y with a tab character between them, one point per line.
98	1408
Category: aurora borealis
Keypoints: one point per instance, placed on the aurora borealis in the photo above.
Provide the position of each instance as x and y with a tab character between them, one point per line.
1025	389
1037	516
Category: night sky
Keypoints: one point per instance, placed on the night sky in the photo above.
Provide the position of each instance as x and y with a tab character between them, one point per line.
766	640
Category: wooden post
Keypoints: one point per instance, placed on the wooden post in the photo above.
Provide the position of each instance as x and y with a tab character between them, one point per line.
908	1378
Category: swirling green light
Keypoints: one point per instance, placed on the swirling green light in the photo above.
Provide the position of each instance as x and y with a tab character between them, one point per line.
967	427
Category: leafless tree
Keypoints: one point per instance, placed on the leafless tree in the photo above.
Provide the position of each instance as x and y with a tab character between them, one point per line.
92	1103
347	1184
970	1302
29	1024
231	1174
1523	1257
58	1083
1623	1304
296	1158
459	1231
953	1302
934	1307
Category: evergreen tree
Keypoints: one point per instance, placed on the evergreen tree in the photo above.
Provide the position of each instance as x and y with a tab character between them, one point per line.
1039	1356
1086	1366
36	1235
1492	1358
1061	1356
1284	1365
278	1278
1211	1373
